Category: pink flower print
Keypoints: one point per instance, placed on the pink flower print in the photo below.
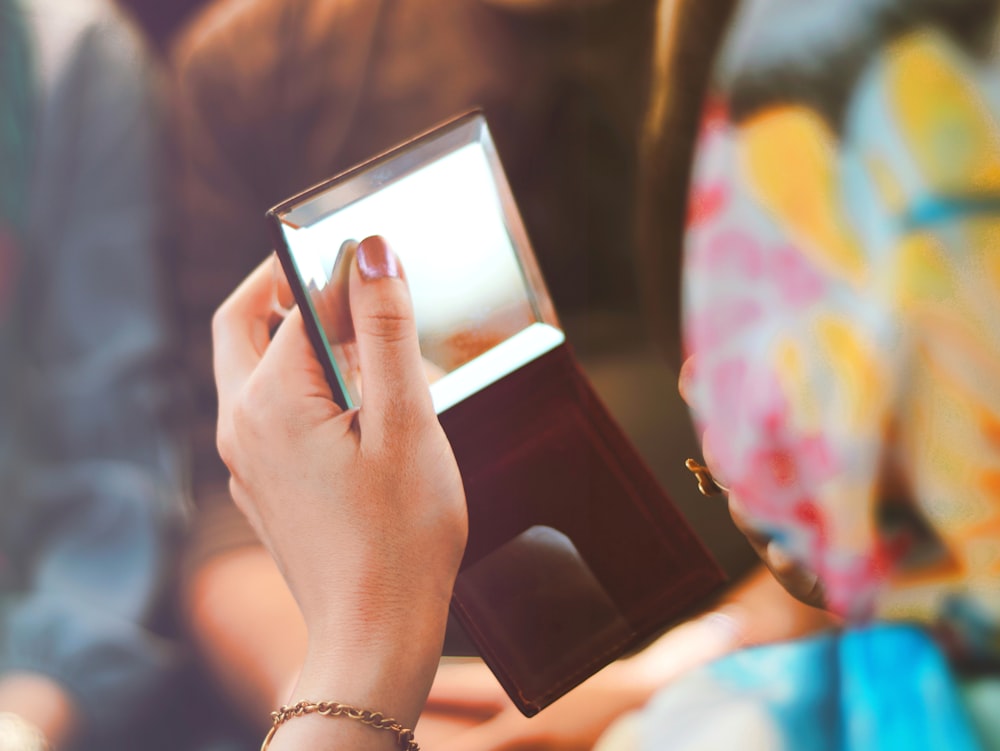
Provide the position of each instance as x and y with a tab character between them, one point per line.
816	459
710	327
852	585
779	478
706	202
809	515
799	283
715	113
729	252
726	389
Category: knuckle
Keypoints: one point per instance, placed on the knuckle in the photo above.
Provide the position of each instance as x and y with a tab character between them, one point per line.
225	443
249	408
220	321
405	434
238	496
391	320
415	416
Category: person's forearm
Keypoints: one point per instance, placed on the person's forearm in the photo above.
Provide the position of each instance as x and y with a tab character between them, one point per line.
375	533
42	702
248	628
251	633
755	611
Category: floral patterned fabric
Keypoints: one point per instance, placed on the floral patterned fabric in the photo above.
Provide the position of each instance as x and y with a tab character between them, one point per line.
842	332
863	690
842	316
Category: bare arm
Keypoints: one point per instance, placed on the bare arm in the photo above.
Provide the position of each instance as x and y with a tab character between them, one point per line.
372	548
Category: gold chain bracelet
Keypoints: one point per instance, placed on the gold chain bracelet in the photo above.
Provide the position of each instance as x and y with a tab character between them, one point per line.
404	737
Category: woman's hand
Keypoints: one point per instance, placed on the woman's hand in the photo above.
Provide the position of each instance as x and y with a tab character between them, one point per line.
363	511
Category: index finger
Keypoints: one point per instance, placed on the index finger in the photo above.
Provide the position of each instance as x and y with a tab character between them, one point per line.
241	332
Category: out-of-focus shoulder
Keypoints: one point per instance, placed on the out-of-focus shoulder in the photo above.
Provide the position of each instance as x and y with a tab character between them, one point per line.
72	36
247	38
216	20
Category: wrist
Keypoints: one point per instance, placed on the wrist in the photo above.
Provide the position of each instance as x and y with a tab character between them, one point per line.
390	672
389	676
369	642
319	733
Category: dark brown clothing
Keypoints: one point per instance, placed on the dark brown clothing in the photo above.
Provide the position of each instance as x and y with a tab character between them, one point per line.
690	32
275	95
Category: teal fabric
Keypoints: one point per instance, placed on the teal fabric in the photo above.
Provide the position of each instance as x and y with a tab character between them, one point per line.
15	116
982	697
90	471
897	691
886	687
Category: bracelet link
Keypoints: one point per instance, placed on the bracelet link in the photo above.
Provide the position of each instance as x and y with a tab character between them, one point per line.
404	736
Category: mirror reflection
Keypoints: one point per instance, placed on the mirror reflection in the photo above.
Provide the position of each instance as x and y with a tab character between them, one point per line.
445	220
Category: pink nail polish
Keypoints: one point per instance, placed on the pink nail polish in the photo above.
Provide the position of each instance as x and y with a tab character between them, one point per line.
376	259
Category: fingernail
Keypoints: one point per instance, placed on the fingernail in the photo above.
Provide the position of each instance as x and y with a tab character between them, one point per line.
376	260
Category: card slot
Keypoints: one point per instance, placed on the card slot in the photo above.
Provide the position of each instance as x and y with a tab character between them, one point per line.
615	563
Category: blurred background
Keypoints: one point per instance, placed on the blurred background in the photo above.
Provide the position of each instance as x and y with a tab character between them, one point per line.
161	20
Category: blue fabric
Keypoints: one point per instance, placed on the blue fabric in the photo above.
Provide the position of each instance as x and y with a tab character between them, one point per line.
15	115
90	471
16	127
886	687
897	691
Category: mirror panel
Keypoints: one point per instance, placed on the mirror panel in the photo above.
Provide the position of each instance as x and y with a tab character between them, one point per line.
444	207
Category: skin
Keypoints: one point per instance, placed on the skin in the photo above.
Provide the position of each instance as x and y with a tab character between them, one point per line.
371	487
42	702
466	708
757	610
801	583
233	625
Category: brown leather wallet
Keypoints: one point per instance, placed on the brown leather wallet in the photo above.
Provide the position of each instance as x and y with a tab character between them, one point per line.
575	554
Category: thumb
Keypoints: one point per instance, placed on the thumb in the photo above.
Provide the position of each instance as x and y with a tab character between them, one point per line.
392	372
